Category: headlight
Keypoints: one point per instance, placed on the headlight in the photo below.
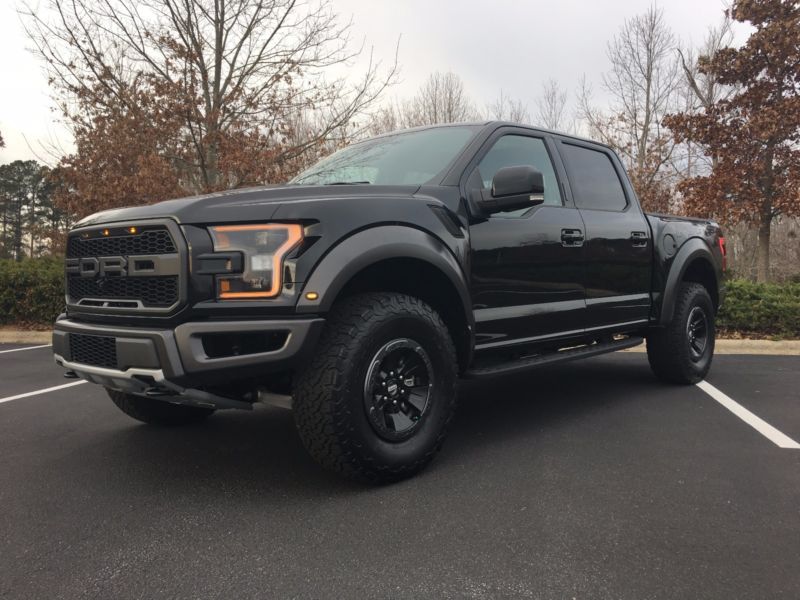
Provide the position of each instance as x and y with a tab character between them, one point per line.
264	248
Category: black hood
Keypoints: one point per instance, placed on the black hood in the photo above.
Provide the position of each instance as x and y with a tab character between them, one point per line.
243	205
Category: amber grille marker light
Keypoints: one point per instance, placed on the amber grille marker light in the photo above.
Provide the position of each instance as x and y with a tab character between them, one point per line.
294	234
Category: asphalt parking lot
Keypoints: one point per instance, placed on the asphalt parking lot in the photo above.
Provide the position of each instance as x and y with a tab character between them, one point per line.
588	480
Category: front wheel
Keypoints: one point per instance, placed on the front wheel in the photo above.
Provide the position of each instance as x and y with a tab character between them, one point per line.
682	351
375	402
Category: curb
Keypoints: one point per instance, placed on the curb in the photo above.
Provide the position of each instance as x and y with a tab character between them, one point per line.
758	347
15	336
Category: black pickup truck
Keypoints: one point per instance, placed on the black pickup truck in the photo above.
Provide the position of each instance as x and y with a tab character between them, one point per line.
361	291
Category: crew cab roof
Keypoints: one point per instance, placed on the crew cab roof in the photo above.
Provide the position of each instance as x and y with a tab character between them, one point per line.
494	124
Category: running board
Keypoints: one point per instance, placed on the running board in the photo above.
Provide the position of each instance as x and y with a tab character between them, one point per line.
540	360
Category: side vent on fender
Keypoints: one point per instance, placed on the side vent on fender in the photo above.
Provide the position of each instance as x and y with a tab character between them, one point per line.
448	219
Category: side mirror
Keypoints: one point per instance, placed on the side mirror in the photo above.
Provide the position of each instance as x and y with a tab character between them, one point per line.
513	188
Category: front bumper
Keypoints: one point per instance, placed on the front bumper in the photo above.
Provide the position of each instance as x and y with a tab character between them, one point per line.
140	359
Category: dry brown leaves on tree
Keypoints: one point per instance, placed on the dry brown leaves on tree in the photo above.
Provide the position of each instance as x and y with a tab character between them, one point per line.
754	135
174	97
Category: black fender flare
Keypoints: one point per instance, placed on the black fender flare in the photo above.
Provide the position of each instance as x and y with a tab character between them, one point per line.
692	249
370	246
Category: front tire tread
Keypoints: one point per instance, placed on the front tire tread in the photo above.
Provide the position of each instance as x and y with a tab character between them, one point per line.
321	409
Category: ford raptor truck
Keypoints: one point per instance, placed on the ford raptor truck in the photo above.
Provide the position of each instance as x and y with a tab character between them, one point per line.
360	292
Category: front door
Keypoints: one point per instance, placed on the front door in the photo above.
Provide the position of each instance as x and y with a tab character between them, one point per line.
526	265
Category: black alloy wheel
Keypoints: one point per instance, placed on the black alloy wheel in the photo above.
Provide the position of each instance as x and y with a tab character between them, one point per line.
697	333
397	389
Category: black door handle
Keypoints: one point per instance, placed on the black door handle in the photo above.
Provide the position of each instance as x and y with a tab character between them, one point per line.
572	238
638	239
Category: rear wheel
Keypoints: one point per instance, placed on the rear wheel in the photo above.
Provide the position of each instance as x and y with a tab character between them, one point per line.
375	402
158	412
682	351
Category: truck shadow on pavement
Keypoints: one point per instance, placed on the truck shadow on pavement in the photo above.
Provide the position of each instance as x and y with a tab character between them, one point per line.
257	455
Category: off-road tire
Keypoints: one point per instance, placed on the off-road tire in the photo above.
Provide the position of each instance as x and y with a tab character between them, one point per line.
158	412
329	394
668	349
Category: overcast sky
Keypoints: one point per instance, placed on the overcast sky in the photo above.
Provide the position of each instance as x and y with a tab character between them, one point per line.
512	45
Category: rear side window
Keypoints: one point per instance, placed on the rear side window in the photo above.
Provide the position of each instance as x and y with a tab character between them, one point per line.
594	180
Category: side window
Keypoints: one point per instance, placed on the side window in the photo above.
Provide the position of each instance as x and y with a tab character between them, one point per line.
516	150
593	178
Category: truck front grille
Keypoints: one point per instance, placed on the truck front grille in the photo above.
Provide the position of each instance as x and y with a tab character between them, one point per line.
94	350
149	241
126	268
150	291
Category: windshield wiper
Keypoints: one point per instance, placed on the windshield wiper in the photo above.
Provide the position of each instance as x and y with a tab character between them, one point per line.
348	183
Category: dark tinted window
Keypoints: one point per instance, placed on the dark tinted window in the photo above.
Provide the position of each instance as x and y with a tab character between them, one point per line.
594	180
518	150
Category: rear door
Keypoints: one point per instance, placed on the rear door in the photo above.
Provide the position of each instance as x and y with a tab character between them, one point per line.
618	249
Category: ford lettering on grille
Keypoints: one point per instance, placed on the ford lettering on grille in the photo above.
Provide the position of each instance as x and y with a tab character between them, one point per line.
118	270
124	266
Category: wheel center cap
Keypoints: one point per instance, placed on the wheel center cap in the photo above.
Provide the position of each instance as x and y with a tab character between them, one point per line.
392	388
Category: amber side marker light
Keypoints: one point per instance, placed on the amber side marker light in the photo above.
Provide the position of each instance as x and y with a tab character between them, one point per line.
294	234
312	296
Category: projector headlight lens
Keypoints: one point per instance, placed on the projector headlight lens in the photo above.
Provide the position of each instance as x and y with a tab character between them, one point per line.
264	247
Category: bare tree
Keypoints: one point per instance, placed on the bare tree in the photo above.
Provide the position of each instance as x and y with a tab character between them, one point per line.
233	74
642	84
506	108
551	106
704	86
442	99
703	89
388	117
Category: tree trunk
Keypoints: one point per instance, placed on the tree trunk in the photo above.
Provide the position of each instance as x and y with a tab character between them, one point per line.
212	165
762	274
18	232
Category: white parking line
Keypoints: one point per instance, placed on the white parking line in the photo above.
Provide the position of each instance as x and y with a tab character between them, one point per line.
44	391
26	348
768	431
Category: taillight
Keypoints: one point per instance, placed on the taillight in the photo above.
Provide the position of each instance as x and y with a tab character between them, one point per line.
724	250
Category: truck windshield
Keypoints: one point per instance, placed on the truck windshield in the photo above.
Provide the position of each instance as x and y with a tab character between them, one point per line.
405	158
